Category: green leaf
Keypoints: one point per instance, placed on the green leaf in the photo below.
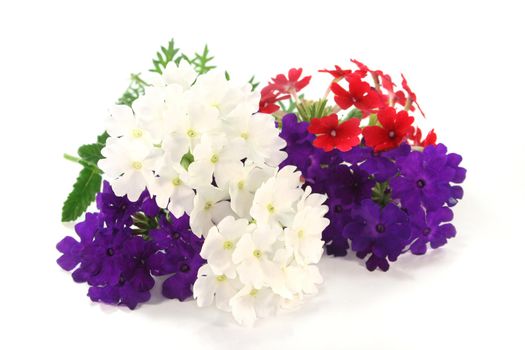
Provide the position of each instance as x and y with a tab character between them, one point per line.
186	160
201	61
253	83
381	193
102	138
135	89
91	153
227	75
165	56
354	113
83	194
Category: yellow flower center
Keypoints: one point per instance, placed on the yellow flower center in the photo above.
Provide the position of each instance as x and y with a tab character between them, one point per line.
191	133
257	253
253	292
176	181
137	133
271	208
220	278
244	135
214	158
136	165
208	205
228	245
240	185
300	233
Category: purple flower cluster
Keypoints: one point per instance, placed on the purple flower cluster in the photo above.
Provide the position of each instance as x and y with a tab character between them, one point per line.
124	245
380	204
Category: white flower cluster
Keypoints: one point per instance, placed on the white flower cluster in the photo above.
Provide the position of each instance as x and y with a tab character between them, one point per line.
183	118
261	258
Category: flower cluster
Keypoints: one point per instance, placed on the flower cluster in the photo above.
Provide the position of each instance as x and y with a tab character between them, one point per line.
125	244
389	191
185	133
264	258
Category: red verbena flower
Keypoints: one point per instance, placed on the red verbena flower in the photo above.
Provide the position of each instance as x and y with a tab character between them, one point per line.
359	94
395	127
331	134
269	98
429	140
285	84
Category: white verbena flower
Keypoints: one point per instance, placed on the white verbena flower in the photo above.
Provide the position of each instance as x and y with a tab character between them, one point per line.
171	189
253	255
123	123
212	158
250	303
257	134
304	235
182	74
210	287
221	242
274	202
210	206
241	181
129	166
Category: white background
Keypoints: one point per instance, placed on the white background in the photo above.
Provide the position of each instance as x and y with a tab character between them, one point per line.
62	64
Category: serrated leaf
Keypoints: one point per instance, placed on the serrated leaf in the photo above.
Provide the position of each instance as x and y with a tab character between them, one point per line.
91	153
200	61
135	89
102	138
83	194
165	56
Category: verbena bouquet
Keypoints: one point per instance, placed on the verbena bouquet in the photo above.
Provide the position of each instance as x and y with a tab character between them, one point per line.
233	194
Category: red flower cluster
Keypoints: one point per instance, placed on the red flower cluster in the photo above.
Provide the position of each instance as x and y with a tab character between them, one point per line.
377	96
331	134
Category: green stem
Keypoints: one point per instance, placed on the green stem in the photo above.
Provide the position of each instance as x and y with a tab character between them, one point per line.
82	162
72	158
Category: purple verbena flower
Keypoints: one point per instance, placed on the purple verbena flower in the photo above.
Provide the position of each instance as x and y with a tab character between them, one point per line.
379	232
